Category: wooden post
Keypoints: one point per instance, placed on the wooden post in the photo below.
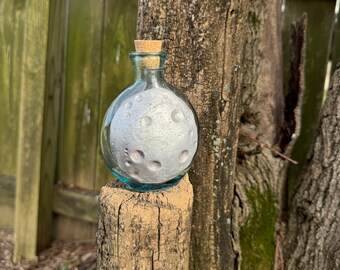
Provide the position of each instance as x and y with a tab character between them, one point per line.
31	82
144	230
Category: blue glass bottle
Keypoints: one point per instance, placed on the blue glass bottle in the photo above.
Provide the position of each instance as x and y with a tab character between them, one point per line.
149	135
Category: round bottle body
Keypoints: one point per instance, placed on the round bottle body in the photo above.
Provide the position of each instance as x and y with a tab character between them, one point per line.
149	135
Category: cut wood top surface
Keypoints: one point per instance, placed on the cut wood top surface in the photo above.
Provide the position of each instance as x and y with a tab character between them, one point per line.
176	197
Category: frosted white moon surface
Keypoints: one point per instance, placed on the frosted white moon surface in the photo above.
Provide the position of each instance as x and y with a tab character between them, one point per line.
153	136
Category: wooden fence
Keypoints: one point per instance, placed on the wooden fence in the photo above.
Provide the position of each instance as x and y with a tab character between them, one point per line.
61	63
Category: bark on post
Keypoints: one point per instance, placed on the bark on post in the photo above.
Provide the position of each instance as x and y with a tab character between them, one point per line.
272	119
313	233
205	42
144	230
256	192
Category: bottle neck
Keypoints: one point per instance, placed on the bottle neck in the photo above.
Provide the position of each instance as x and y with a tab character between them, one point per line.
149	67
152	77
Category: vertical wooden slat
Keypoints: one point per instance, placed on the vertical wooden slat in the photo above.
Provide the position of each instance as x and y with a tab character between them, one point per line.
9	95
9	100
78	145
79	125
33	29
54	86
7	195
117	72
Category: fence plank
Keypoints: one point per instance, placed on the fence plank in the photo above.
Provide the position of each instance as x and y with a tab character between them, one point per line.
117	72
78	144
32	28
83	230
76	204
7	193
54	86
10	52
7	190
10	55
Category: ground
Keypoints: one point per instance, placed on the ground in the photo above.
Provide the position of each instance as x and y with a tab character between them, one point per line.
76	255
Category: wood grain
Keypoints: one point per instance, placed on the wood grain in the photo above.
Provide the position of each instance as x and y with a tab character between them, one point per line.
10	65
80	121
117	72
144	230
54	87
34	34
7	195
76	204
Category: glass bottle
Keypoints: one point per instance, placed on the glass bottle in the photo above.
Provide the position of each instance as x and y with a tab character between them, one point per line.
149	134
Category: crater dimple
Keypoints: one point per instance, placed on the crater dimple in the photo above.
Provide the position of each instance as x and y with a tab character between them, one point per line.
137	156
127	163
128	105
146	121
177	116
191	133
139	98
135	174
183	156
154	165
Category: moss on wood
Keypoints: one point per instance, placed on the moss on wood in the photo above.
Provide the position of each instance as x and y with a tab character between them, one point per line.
257	236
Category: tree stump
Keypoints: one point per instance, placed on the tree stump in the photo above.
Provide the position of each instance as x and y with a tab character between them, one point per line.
144	230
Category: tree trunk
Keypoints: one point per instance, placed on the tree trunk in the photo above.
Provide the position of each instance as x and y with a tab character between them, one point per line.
257	193
222	52
313	233
206	41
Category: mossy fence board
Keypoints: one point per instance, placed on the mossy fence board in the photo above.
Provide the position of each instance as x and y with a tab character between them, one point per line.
11	47
61	63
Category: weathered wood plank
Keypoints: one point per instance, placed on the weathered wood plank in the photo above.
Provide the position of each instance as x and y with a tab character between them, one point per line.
10	63
76	204
10	57
84	230
7	193
117	73
78	145
79	204
7	190
34	30
54	86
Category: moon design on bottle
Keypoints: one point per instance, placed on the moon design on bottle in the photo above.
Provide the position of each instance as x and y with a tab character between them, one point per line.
153	136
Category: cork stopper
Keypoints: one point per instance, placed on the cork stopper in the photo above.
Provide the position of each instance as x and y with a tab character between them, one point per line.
149	46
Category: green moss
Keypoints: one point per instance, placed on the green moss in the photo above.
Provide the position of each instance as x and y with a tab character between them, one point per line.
257	236
254	19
